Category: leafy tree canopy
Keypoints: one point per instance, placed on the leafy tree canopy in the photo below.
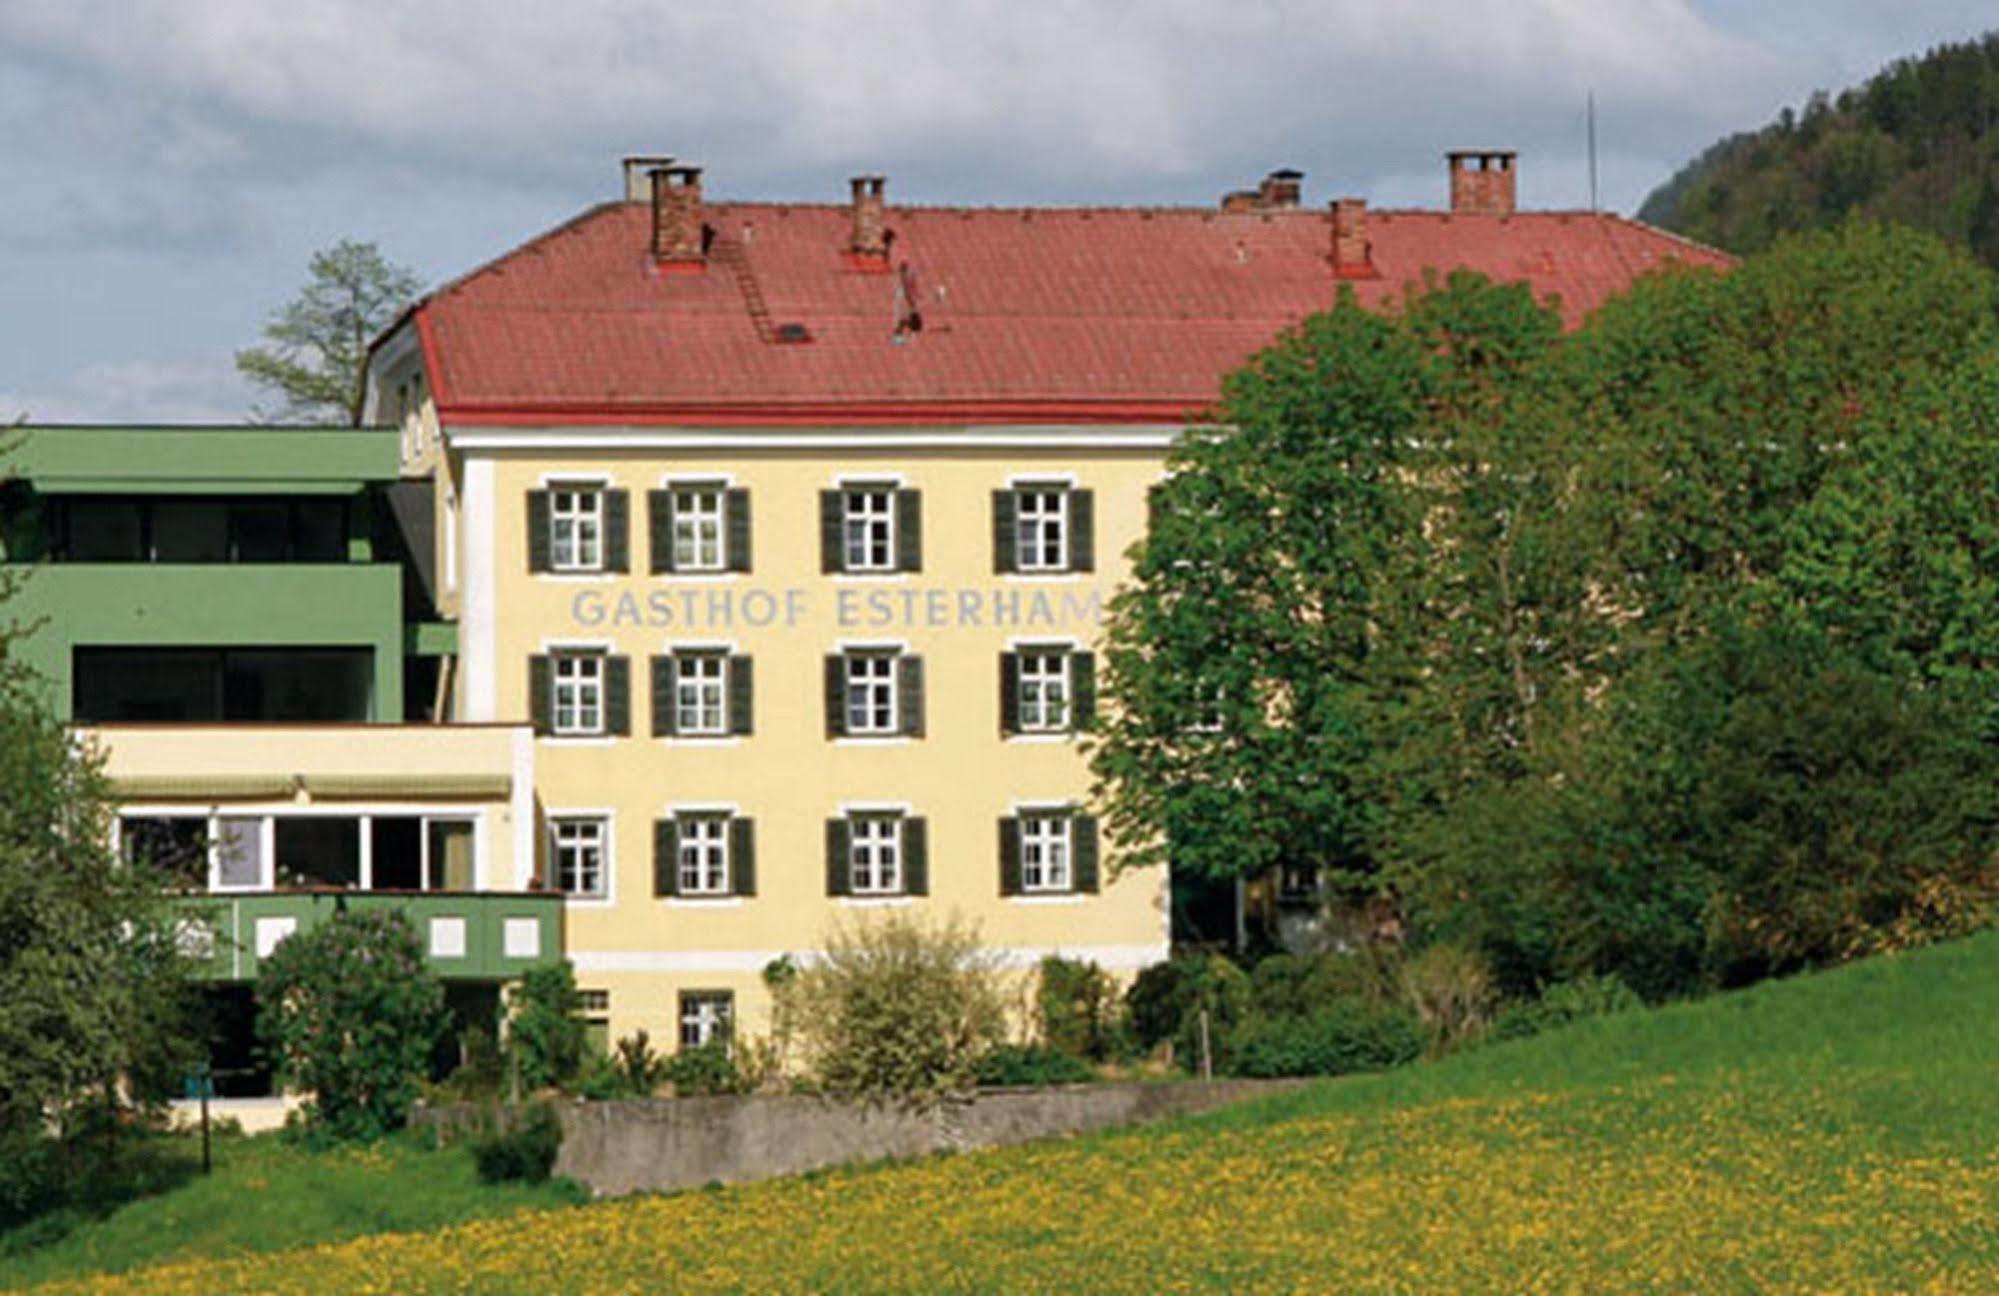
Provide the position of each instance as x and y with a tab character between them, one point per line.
315	351
1914	144
1420	576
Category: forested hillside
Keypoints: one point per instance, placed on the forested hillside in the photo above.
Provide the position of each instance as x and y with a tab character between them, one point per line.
1918	143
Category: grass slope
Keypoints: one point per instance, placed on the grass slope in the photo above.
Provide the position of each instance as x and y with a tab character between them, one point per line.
267	1195
1836	1132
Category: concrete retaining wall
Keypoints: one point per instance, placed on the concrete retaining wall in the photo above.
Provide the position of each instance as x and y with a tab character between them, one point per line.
663	1144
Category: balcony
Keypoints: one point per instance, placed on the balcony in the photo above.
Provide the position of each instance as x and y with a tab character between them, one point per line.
466	935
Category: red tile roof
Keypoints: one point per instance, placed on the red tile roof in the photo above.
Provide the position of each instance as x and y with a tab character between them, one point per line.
1070	314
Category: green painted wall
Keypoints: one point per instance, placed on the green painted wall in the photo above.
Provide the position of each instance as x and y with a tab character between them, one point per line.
201	460
63	605
233	920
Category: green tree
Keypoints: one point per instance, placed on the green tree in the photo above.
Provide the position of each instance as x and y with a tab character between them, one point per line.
93	994
546	1040
315	354
350	1012
1305	562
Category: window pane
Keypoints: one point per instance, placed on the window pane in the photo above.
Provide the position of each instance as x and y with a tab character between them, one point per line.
322	531
395	852
240	852
190	531
105	530
450	854
177	847
260	532
318	852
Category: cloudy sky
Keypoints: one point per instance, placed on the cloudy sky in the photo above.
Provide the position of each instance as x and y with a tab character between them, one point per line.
169	165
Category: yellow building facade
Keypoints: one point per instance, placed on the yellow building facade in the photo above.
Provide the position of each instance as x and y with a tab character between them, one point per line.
742	751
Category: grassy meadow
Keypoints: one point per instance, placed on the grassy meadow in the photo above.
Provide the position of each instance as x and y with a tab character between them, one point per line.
1838	1132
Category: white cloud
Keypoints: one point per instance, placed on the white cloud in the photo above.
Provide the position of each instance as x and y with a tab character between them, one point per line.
200	390
1027	89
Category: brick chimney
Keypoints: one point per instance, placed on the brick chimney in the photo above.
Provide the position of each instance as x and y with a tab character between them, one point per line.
868	249
1280	189
1482	181
638	174
1353	252
677	237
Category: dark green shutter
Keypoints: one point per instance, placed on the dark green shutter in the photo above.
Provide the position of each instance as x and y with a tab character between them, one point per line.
1006	531
1009	859
541	694
665	857
909	530
1009	693
742	695
618	695
836	688
736	511
916	856
662	696
659	529
1083	844
1083	690
831	506
1082	531
909	693
617	530
743	856
539	538
839	866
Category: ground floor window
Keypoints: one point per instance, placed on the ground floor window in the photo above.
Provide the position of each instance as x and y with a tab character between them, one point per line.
705	1017
579	849
595	1007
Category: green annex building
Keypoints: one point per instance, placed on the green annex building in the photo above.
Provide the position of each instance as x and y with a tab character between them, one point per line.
241	619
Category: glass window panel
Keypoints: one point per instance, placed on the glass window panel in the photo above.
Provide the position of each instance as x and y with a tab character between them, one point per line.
395	853
450	854
239	851
105	530
322	530
190	531
260	532
318	852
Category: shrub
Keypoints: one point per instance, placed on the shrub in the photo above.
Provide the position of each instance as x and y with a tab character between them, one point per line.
525	1152
1167	999
1451	993
704	1069
897	1010
1295	985
350	1011
1031	1064
1079	1008
640	1066
1349	1035
1565	1002
545	1038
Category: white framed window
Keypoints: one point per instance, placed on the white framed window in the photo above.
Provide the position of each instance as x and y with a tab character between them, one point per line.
700	694
580	850
1041	528
874	855
698	529
1044	690
867	528
870	698
705	1017
579	693
704	855
576	528
1045	856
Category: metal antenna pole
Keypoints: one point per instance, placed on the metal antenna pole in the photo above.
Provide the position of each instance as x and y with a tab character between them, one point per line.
1591	114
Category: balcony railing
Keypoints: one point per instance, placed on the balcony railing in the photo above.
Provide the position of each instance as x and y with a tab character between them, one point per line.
466	935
